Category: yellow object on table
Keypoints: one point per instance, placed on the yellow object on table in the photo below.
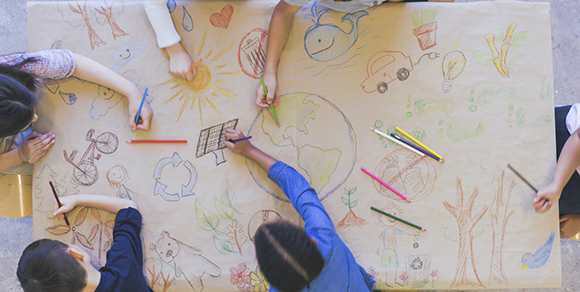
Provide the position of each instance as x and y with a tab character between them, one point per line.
15	195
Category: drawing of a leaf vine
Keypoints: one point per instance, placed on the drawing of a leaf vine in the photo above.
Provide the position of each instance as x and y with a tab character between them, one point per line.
347	201
225	207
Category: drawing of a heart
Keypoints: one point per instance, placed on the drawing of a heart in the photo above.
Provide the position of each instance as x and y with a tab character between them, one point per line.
222	19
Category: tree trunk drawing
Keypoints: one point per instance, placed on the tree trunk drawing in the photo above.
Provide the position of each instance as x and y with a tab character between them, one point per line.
499	221
93	37
465	273
107	11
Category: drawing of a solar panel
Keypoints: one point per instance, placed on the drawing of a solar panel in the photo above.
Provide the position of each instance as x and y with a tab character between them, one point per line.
213	139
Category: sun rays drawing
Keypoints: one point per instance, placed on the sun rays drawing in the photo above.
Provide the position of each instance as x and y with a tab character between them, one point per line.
208	84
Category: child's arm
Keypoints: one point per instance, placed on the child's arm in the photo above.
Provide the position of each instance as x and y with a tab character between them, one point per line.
568	161
280	26
180	61
107	203
248	150
93	71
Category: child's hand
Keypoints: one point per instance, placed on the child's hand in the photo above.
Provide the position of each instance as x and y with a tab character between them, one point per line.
68	204
180	62
35	146
263	100
146	112
569	225
242	147
545	197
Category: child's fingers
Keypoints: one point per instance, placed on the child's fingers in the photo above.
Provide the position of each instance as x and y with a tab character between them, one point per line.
188	75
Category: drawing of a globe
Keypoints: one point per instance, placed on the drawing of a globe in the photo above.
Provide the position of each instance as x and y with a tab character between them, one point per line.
314	137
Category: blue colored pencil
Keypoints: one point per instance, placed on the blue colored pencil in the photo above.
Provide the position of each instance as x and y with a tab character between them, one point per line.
241	139
141	106
417	147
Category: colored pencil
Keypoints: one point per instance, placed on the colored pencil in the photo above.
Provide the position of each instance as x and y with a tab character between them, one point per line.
58	202
398	219
397	142
522	178
271	106
418	142
154	141
416	147
141	106
241	139
385	184
196	64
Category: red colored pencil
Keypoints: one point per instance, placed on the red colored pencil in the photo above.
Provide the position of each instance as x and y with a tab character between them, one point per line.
58	202
155	141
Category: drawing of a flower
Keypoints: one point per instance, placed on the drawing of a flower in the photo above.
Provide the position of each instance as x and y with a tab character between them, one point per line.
258	282
240	276
373	272
403	276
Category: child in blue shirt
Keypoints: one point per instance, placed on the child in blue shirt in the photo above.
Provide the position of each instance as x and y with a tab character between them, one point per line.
50	265
294	259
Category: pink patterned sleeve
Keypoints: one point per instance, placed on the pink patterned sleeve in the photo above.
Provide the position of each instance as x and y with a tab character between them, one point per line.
54	64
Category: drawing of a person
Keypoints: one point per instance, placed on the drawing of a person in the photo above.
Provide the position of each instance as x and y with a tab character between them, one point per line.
116	176
389	257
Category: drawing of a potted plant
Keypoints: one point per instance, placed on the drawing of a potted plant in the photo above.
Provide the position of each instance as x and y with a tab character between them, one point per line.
425	27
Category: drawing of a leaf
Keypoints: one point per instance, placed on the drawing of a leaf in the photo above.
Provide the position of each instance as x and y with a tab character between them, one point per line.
95	212
354	203
58	229
205	218
223	246
94	232
223	210
228	196
81	216
514	60
353	190
237	235
110	224
84	241
520	38
483	58
344	201
107	245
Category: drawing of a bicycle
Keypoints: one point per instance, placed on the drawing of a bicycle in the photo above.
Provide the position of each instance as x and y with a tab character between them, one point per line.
85	172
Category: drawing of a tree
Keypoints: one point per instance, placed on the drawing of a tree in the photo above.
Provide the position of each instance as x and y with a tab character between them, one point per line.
465	274
93	37
107	11
42	189
499	220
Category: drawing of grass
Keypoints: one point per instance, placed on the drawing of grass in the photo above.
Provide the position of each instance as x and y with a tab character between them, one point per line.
425	16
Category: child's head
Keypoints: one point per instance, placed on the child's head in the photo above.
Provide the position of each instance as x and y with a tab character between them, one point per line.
287	256
116	175
392	209
17	98
48	265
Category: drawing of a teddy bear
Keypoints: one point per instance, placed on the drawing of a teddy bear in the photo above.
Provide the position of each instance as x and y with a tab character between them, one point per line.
187	260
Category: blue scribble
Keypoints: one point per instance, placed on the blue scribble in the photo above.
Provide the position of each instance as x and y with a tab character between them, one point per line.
324	42
540	257
124	53
187	21
171	5
105	100
68	98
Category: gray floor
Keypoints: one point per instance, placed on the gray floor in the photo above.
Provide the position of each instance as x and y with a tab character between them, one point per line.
16	234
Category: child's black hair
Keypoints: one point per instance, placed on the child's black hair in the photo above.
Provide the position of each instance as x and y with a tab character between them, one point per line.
17	98
287	256
46	265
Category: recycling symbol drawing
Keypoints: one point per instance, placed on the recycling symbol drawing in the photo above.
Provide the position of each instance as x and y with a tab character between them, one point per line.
186	189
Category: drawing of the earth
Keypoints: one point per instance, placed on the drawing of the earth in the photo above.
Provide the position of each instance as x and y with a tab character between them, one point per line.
314	137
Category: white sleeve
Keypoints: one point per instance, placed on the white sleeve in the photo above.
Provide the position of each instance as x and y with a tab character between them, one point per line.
573	118
161	21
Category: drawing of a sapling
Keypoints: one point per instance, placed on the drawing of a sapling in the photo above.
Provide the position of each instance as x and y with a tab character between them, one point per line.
350	219
425	27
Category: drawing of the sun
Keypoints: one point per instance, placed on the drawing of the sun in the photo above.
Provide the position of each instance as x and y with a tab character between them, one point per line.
205	86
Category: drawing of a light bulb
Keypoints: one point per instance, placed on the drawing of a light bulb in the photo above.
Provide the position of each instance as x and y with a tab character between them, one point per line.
453	65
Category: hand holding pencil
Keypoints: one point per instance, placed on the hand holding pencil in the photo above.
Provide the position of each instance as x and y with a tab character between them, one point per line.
266	93
545	197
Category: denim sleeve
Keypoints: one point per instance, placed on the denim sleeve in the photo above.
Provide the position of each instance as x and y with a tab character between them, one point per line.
303	197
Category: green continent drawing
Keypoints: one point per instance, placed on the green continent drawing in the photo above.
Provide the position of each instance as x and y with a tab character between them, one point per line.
314	137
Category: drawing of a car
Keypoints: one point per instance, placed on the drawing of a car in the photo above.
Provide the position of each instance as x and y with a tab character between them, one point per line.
384	67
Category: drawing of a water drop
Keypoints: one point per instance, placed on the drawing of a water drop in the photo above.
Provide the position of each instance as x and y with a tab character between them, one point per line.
187	21
171	5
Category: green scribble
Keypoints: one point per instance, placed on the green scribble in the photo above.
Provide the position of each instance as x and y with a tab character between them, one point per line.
423	105
206	219
425	16
488	95
378	124
483	58
472	108
224	246
538	122
440	130
547	91
319	164
409	114
441	122
520	38
511	107
347	201
456	133
471	99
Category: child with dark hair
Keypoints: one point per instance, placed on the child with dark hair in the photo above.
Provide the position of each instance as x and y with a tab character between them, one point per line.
294	259
49	265
18	100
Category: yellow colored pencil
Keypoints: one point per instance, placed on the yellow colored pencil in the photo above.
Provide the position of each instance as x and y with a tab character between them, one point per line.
418	142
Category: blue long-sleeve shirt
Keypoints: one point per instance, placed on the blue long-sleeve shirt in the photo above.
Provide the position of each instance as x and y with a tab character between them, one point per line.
340	272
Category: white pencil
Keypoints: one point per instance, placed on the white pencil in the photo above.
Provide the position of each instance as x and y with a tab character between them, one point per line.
398	142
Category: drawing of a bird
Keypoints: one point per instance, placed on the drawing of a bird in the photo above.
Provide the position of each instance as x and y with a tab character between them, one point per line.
540	257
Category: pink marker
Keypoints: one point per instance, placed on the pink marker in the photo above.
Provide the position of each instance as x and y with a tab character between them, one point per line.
385	184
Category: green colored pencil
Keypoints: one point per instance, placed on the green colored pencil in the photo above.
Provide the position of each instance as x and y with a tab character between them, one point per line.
398	219
271	106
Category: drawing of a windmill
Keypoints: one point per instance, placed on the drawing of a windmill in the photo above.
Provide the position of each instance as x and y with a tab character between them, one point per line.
213	139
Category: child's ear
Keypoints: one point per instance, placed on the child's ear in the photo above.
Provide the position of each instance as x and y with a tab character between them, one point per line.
76	254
